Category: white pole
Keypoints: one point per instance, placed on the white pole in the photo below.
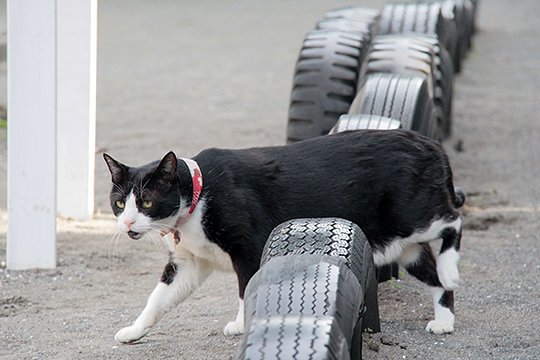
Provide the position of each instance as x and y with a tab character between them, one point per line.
31	61
76	51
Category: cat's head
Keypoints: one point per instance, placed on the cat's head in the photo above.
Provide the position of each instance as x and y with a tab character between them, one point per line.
142	197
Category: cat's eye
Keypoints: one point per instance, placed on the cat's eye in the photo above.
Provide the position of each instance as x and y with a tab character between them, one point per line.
147	204
120	204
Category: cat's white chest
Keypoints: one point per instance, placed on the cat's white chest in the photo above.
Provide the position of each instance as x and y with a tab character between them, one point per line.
194	240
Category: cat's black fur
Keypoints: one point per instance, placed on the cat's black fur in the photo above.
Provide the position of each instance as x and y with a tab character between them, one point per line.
388	183
391	183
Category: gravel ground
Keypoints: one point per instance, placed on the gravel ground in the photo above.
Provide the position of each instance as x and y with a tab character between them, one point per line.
190	75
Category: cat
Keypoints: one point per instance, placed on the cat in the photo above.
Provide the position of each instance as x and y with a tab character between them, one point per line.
221	206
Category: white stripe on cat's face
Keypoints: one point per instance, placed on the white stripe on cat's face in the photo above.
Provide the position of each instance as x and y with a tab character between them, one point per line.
131	221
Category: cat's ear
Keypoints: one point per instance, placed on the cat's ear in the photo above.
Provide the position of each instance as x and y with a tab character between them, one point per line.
167	167
117	170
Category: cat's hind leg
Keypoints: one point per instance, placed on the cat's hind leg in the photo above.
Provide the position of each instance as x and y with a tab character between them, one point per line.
448	258
181	276
236	327
419	261
245	266
443	305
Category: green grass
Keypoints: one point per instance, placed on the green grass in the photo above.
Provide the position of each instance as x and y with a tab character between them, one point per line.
3	124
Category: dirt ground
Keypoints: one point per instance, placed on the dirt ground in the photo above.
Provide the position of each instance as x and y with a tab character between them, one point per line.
190	75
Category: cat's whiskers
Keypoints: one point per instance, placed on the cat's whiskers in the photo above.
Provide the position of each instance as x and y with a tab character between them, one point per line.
160	228
148	244
115	247
159	244
157	241
110	245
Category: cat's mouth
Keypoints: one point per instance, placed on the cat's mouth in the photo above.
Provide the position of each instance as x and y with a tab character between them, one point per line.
135	235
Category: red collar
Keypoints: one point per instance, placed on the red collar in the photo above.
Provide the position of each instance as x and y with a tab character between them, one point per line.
197	181
196	178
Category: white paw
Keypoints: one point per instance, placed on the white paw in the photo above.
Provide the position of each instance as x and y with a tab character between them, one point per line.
440	327
129	334
234	328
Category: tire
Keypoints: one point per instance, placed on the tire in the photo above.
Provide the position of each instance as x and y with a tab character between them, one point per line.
355	13
311	282
331	237
293	337
411	56
326	236
444	81
350	122
312	286
352	19
462	12
404	55
474	26
403	98
325	81
469	9
422	18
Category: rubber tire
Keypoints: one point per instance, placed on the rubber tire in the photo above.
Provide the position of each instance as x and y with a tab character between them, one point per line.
399	97
325	81
332	237
444	81
404	55
355	13
468	24
308	285
323	236
466	10
352	19
284	337
421	18
350	122
475	16
291	288
469	9
462	13
411	56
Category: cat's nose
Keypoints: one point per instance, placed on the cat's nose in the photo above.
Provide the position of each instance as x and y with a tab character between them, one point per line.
128	223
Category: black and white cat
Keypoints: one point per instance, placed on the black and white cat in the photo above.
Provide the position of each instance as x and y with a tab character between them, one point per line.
221	206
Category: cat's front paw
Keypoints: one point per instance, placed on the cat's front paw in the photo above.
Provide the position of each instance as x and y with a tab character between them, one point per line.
130	334
234	328
440	327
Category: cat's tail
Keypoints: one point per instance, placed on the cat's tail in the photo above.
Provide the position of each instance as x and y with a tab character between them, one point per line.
457	194
458	197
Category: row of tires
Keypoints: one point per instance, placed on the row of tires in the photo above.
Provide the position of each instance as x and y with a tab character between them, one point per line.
316	290
366	58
